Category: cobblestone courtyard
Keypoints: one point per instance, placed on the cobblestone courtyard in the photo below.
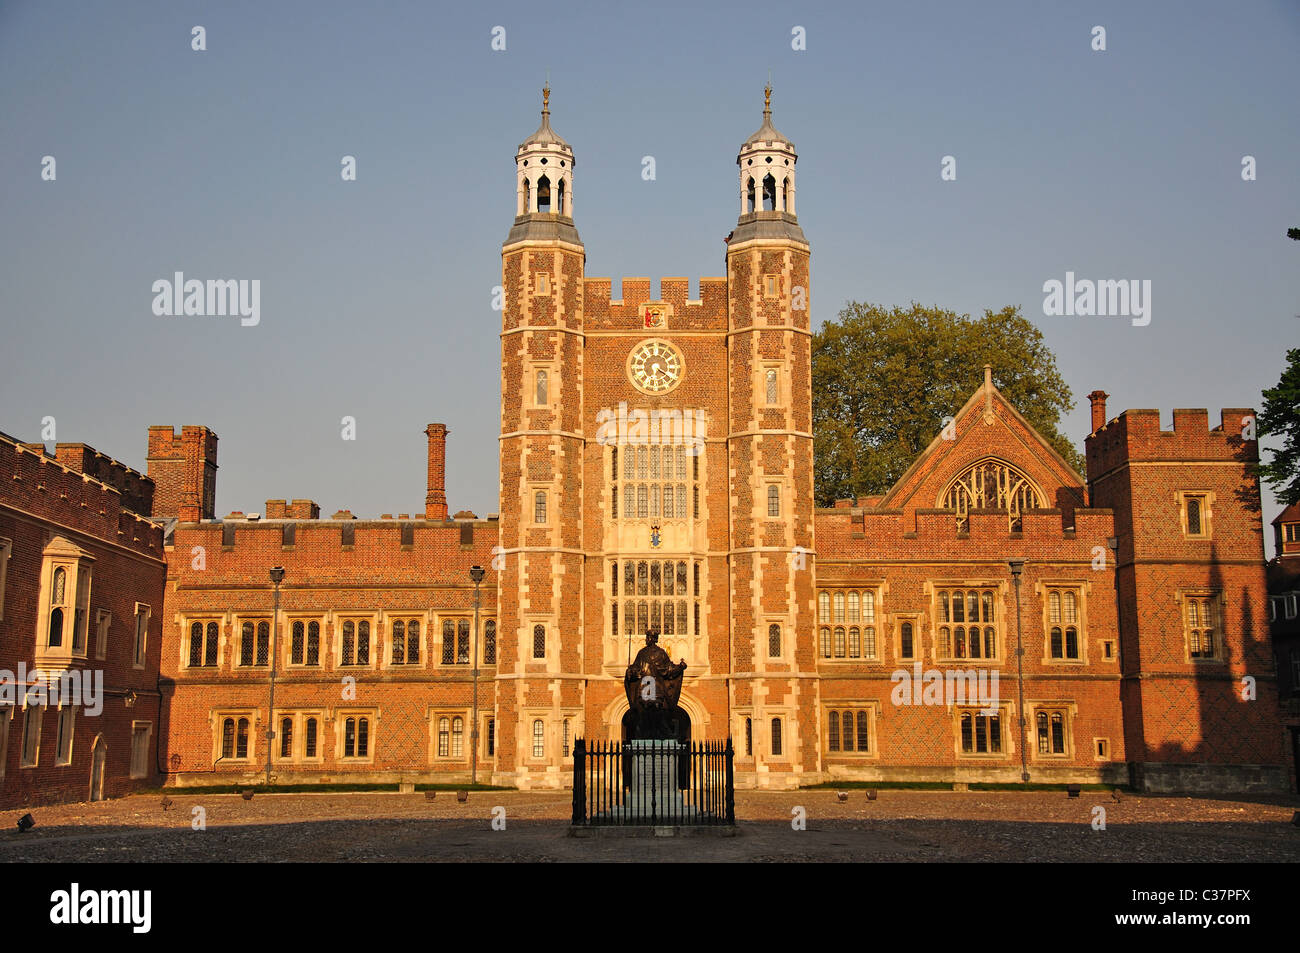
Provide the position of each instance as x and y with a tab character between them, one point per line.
899	826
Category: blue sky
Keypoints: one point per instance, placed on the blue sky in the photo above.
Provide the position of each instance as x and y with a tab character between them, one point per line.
376	294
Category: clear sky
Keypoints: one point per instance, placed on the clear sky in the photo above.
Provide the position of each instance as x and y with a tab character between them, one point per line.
376	294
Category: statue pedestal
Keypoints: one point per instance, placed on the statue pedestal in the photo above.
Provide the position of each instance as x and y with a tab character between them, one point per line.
652	783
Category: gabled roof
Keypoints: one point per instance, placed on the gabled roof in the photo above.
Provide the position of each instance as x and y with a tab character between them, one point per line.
986	402
1289	515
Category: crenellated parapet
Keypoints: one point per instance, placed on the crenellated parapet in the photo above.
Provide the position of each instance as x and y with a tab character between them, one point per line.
849	532
50	488
1136	435
679	311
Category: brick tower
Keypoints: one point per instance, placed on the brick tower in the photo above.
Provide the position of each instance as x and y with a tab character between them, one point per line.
769	459
1190	574
542	443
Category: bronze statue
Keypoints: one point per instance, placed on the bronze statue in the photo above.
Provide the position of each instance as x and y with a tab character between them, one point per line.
653	685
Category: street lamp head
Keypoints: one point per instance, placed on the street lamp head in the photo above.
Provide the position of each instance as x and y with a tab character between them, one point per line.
476	573
1016	566
277	574
1113	543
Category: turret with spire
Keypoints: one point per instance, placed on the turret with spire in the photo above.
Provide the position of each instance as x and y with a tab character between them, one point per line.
767	183
544	183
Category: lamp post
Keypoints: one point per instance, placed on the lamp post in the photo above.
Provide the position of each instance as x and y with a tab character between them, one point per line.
277	576
1017	566
476	573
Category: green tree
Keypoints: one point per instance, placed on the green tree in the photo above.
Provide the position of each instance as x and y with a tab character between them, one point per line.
1280	417
883	381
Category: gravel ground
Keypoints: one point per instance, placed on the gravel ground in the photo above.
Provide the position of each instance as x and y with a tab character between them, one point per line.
899	826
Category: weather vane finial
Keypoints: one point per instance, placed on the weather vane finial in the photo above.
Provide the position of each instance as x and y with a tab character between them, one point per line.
767	95
546	95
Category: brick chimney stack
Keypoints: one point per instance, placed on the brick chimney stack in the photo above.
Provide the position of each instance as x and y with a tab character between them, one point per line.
435	501
1098	400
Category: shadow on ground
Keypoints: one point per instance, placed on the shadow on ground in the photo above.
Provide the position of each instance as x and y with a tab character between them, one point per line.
829	840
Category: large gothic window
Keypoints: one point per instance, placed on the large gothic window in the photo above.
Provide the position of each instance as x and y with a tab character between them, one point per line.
992	485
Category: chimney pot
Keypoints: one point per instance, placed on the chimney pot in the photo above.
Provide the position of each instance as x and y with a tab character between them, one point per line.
1098	400
435	501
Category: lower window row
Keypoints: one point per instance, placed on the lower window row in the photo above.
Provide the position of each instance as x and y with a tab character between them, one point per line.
851	731
303	737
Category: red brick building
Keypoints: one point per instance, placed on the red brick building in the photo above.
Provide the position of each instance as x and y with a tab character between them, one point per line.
657	473
81	597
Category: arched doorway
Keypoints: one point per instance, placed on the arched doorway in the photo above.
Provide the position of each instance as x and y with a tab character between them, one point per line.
98	757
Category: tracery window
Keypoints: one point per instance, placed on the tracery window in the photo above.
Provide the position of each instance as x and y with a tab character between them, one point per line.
992	485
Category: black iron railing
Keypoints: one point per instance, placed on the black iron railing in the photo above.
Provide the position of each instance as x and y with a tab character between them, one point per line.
653	782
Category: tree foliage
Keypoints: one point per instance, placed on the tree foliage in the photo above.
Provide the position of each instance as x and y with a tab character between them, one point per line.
1280	417
884	380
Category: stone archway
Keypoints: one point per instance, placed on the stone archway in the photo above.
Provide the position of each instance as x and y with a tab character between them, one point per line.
683	725
697	717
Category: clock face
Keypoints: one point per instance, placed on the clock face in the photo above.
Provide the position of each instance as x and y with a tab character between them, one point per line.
655	366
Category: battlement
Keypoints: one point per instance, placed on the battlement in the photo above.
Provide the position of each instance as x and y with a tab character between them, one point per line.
136	488
166	443
406	549
855	532
600	311
1136	435
295	510
73	496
